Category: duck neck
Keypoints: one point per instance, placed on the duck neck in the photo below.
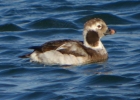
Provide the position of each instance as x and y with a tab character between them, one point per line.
92	40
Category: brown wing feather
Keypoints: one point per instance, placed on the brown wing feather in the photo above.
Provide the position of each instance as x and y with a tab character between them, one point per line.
53	45
75	47
72	47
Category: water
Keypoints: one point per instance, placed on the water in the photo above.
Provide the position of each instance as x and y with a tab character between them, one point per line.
25	23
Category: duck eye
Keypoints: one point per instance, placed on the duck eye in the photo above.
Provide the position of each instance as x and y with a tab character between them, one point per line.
99	26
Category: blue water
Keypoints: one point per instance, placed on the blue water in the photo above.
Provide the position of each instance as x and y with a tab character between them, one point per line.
25	23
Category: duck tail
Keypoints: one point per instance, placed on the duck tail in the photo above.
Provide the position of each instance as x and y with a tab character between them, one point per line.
25	56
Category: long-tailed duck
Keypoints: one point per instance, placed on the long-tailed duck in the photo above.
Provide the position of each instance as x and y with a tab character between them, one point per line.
73	52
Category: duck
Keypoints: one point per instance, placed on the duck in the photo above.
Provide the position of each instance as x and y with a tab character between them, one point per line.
74	52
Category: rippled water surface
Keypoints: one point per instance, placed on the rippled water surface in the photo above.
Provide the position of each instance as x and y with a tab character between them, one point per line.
25	23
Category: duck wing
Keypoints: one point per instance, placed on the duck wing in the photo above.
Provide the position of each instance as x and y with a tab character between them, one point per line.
70	47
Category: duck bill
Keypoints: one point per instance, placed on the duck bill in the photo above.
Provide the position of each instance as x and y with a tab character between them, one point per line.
110	32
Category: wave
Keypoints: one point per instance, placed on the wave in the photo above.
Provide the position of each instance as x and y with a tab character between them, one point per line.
107	17
51	23
122	4
9	38
10	27
136	16
107	79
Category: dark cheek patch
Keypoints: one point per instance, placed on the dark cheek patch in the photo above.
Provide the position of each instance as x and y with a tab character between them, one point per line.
92	38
